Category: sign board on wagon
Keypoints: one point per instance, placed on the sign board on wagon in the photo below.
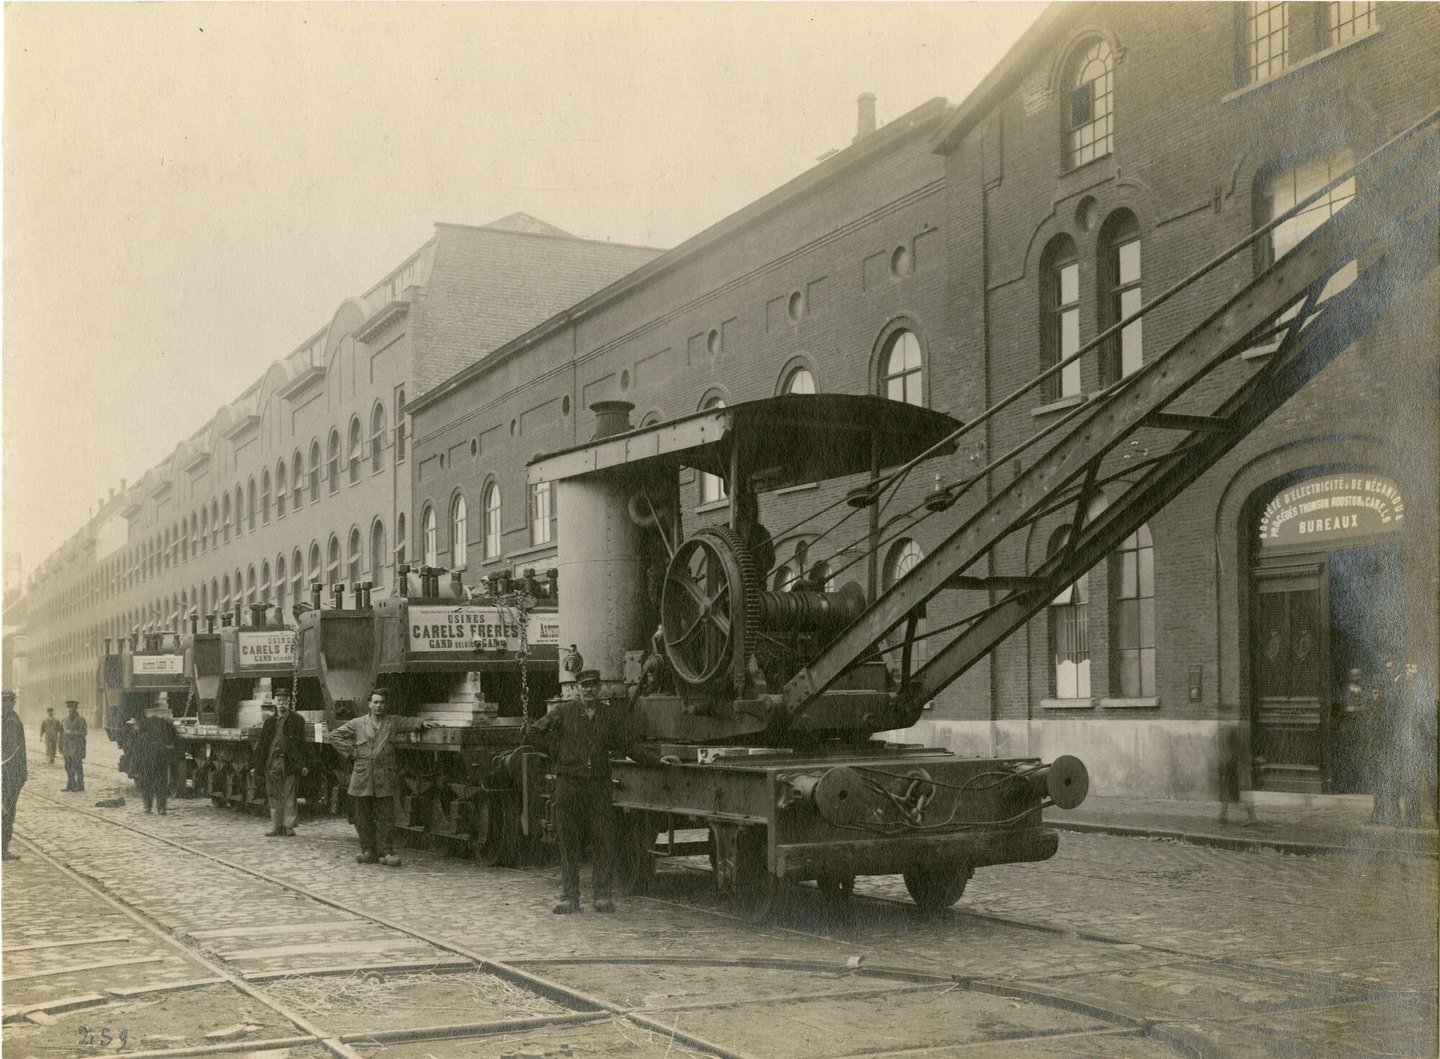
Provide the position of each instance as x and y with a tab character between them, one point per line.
273	647
158	665
434	629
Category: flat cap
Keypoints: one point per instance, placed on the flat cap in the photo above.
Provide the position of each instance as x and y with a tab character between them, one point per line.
588	676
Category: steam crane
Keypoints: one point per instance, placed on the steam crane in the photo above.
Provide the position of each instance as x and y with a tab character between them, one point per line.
772	699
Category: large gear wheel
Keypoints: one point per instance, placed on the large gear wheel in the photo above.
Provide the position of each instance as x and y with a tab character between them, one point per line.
710	609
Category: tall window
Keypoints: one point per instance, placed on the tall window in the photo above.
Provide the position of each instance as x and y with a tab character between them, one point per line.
400	539
379	560
1267	38
332	564
239	517
333	462
314	472
903	556
265	496
297	577
281	586
314	568
1092	103
264	582
1120	272
1070	632
377	437
427	528
226	514
355	554
280	487
225	606
542	513
400	427
250	586
491	528
1132	637
1060	317
354	449
459	531
712	486
250	505
1350	20
799	381
901	378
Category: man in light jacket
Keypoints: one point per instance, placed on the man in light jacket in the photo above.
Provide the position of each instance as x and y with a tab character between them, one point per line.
374	782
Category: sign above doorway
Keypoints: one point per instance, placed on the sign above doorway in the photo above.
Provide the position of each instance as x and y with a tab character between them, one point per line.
1330	509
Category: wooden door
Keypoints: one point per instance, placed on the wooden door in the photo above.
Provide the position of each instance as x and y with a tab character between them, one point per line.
1290	677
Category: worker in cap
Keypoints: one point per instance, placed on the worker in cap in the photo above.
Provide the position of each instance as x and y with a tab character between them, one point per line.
281	752
580	735
73	735
50	732
13	771
152	751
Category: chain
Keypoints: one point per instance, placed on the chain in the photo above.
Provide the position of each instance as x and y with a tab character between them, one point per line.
524	603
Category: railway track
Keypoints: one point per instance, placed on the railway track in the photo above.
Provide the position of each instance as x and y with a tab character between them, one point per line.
309	972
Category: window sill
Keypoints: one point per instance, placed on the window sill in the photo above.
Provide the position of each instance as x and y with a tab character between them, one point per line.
797	489
1309	60
1131	704
534	549
713	505
1060	405
1067	704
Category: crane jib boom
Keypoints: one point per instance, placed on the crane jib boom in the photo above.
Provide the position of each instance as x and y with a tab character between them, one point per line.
1396	209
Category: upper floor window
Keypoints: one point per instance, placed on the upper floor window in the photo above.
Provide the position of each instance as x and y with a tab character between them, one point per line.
1346	21
901	375
1267	38
1132	638
799	381
491	528
265	496
333	463
379	560
400	427
314	561
280	486
332	565
250	505
1060	316
354	450
226	511
1120	277
427	524
459	532
904	556
314	472
1092	103
542	513
239	514
377	437
1070	632
400	539
354	557
712	486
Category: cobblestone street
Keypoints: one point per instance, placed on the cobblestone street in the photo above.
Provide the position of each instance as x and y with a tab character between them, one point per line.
1117	946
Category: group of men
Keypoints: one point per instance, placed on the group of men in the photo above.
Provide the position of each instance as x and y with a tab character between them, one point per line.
68	736
1398	726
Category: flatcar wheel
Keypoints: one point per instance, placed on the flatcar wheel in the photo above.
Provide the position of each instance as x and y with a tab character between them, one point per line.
935	889
757	890
634	861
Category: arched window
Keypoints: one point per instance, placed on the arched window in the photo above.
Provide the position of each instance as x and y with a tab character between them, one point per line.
250	585
491	528
800	380
400	427
314	568
1060	316
379	560
250	505
215	599
542	513
1119	270
264	582
430	550
333	463
1132	616
400	539
280	487
1070	631
459	531
712	486
901	377
297	576
225	595
1092	103
314	472
355	555
904	554
204	600
204	529
281	588
377	437
239	516
265	497
215	523
297	471
226	513
332	565
354	449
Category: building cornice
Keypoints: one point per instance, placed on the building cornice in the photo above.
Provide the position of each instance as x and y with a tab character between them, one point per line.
306	378
387	314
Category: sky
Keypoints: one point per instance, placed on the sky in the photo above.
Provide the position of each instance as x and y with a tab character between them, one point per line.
191	190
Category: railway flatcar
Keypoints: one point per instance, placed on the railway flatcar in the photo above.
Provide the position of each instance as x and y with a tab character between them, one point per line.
142	672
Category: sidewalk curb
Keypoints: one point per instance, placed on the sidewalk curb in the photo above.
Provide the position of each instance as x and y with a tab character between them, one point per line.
1246	844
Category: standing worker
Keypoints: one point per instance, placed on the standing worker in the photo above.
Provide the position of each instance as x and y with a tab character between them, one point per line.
73	734
13	770
50	732
152	748
373	785
282	750
580	735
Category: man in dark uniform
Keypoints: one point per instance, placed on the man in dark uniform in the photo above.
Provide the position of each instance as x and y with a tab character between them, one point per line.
73	734
50	732
13	771
580	736
281	750
152	748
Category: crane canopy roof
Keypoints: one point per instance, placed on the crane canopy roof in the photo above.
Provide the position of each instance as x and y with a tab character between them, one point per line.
783	441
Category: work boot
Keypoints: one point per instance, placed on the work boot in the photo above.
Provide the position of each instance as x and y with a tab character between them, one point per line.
565	907
390	860
366	858
272	834
289	831
604	905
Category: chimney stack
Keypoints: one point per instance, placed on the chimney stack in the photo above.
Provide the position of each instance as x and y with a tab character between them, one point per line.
866	123
611	418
